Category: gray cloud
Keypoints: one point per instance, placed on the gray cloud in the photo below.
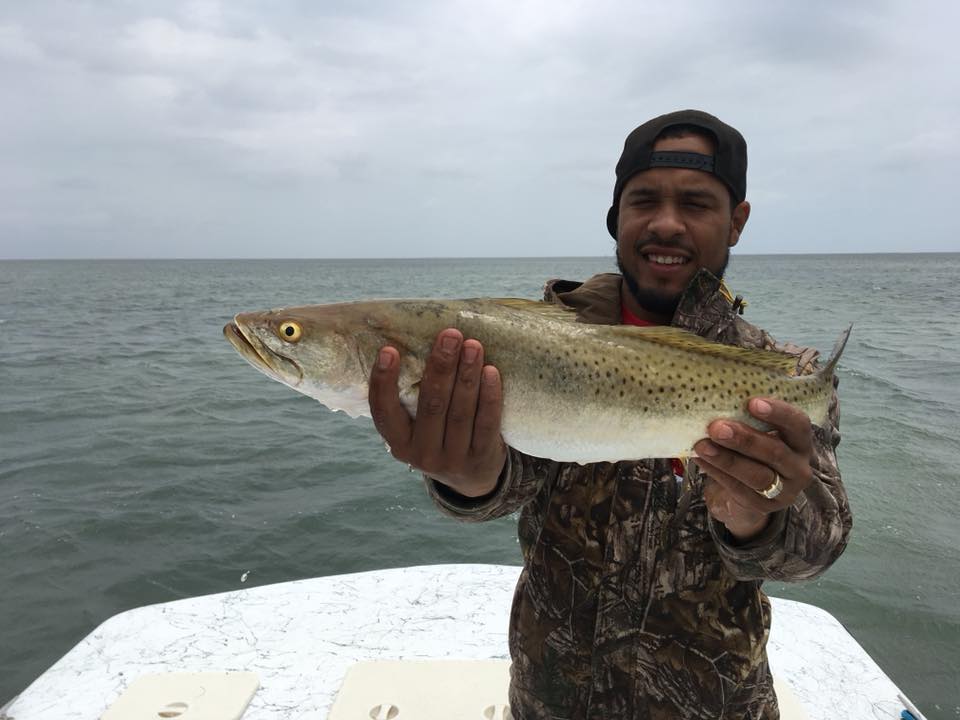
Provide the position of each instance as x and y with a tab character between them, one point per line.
222	129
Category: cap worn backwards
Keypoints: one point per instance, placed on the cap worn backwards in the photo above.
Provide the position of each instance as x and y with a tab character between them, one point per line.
728	163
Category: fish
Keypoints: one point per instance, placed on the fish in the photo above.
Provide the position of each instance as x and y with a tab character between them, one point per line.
572	391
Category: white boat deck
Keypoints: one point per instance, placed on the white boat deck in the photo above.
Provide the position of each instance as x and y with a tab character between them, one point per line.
300	638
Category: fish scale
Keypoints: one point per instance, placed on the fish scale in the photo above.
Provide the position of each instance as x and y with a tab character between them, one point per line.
620	392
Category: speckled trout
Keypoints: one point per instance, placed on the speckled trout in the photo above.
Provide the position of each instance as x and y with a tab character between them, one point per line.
572	392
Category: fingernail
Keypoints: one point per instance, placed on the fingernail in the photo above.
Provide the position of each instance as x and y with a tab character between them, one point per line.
469	353
488	375
449	342
762	407
384	359
707	449
723	432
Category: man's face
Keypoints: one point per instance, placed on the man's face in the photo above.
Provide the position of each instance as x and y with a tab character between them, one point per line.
671	223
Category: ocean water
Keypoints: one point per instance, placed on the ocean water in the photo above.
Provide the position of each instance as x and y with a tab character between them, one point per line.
142	460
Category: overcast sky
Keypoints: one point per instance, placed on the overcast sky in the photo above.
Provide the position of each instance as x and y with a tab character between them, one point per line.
454	128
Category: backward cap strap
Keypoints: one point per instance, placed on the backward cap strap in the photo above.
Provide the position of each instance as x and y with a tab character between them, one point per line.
678	159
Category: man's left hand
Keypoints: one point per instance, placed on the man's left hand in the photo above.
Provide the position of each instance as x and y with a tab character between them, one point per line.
741	463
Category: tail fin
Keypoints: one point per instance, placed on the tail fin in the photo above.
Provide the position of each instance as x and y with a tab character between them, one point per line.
827	370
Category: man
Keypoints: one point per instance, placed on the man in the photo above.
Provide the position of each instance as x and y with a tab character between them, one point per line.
640	596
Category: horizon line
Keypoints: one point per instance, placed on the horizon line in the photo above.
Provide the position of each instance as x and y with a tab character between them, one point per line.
453	257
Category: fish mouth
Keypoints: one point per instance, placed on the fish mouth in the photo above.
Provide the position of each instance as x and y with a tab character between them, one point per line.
261	357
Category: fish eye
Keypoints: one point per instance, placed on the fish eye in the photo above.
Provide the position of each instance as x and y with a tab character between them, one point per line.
291	331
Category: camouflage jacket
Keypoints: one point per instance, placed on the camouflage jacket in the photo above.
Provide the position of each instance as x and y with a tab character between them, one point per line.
633	602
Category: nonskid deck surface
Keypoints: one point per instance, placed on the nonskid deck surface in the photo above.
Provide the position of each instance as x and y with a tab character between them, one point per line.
301	637
444	689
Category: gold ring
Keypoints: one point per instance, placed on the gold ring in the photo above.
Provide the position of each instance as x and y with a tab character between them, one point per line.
775	488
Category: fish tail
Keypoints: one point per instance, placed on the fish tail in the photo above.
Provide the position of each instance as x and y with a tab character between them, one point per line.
828	368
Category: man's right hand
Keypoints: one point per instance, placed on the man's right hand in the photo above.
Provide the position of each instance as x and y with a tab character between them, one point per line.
455	437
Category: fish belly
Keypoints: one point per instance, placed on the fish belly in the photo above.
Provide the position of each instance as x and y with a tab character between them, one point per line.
588	432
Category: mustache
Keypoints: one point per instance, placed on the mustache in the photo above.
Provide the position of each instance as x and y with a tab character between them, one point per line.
672	243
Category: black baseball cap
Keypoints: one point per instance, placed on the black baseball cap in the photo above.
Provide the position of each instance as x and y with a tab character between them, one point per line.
728	163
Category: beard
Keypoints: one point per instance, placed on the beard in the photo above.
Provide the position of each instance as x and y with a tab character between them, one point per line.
656	301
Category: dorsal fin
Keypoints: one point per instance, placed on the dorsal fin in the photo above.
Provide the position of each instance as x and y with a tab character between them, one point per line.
662	335
689	342
554	311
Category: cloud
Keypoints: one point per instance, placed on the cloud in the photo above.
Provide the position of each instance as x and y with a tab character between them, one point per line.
498	121
928	148
17	47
